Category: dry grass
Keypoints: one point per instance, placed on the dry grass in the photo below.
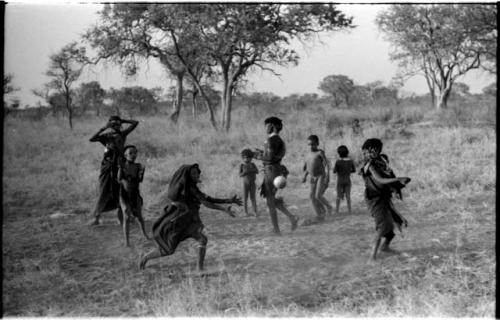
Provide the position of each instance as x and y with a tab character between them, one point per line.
58	267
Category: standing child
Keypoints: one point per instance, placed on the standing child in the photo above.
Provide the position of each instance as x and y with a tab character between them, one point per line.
271	156
318	167
248	172
130	175
378	194
343	168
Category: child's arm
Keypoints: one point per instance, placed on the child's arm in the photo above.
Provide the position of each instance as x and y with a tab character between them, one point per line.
379	179
141	172
97	137
120	175
305	173
133	124
219	207
242	171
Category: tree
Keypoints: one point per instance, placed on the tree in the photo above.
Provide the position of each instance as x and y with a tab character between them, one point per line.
441	42
126	36
340	87
91	94
138	100
65	68
8	87
233	38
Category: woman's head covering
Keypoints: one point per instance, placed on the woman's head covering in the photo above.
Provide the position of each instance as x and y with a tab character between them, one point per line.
114	118
181	181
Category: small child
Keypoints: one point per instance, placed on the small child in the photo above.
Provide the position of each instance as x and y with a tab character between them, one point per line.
356	128
248	172
378	193
318	167
130	175
343	168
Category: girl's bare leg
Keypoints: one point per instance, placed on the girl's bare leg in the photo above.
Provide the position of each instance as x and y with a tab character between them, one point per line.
348	199
337	204
245	198
126	230
151	255
376	245
140	220
252	198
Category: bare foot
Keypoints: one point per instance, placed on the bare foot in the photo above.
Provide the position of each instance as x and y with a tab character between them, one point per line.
94	222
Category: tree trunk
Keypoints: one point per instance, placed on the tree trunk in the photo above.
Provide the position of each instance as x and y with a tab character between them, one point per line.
176	107
194	97
227	101
443	97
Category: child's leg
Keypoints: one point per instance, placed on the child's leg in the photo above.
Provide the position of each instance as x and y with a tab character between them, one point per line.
245	197
119	214
140	220
320	195
376	245
151	255
337	200
271	204
348	197
280	204
388	238
202	241
253	189
317	206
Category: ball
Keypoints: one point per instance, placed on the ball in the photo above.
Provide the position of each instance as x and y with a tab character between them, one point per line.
279	182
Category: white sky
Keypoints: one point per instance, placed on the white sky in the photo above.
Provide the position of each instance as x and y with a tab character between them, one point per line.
34	31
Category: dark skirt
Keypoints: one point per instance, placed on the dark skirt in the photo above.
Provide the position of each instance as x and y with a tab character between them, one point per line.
176	224
108	189
385	215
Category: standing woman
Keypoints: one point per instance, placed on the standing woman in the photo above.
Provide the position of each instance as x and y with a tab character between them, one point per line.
114	143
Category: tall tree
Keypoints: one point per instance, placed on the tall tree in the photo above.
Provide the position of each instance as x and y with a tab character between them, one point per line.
125	36
442	42
234	38
339	86
65	68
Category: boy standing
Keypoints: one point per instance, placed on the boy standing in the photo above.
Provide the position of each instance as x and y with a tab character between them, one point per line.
343	168
248	172
318	167
274	151
130	175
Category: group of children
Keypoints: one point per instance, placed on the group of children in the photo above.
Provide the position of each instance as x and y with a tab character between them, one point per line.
120	177
318	167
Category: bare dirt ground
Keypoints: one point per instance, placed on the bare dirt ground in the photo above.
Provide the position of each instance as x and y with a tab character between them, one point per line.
57	265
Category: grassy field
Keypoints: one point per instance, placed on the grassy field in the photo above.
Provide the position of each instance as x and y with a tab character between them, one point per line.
55	265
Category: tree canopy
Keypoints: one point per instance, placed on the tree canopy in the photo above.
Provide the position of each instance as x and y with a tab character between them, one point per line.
441	41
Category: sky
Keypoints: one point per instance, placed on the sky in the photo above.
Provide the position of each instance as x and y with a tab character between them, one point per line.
34	31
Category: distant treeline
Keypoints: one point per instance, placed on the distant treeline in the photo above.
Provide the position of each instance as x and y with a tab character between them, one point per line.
92	100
